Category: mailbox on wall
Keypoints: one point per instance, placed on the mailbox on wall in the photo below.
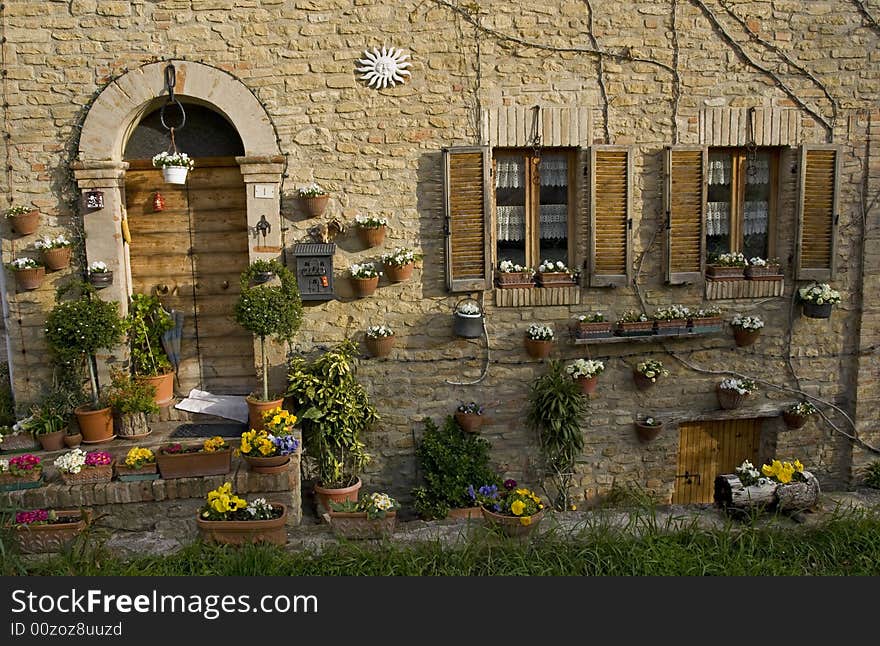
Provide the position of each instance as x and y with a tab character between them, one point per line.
314	271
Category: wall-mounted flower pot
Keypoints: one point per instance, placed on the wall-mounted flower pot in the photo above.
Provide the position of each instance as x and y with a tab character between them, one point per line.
538	349
469	422
729	399
588	384
647	432
245	532
467	326
365	286
55	259
815	311
29	279
744	337
597	330
705	325
371	236
642	382
636	328
175	174
793	421
380	347
315	206
398	274
26	223
100	280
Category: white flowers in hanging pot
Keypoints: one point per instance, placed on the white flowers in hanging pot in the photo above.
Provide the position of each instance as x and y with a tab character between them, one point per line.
174	166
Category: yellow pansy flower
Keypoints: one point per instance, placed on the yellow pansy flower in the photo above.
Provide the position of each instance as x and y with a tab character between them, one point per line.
517	507
525	521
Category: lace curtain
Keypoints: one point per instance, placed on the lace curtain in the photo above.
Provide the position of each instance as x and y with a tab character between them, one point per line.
553	219
553	170
755	216
719	171
510	173
511	223
718	218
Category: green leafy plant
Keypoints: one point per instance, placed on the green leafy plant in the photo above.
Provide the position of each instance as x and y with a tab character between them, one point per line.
129	396
146	322
334	410
871	475
556	410
375	505
450	461
76	330
7	403
269	310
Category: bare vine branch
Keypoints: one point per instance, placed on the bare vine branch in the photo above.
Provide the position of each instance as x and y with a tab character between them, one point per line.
600	71
862	6
676	78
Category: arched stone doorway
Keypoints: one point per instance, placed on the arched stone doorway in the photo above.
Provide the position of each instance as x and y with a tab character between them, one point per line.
111	124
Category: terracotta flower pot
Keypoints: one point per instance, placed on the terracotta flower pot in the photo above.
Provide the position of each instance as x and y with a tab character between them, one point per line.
267	465
744	337
513	526
538	349
26	223
29	279
315	206
380	347
256	408
371	236
719	272
357	526
95	425
793	421
514	279
642	382
647	432
365	286
326	494
588	384
52	441
72	440
245	532
729	399
52	537
191	465
55	259
164	385
397	274
469	422
465	513
636	328
584	330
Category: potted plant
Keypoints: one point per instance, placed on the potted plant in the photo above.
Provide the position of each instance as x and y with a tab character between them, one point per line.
648	428
469	417
139	464
746	329
646	373
21	472
212	457
175	166
371	229
632	323
48	424
146	323
539	341
592	326
511	275
705	320
364	278
761	269
733	392
585	373
29	274
314	199
817	300
556	410
80	467
468	319
516	511
99	276
399	264
75	331
131	401
23	219
335	411
379	340
452	465
228	519
373	516
268	310
552	274
796	415
268	450
56	252
671	319
46	530
17	439
726	266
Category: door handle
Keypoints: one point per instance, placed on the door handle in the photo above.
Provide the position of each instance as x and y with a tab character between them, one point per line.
225	284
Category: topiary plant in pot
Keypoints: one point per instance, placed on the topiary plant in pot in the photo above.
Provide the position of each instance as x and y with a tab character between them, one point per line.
146	322
75	331
267	309
334	411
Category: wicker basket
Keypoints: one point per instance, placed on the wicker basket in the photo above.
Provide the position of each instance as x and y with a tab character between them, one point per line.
513	279
89	475
768	272
729	399
585	330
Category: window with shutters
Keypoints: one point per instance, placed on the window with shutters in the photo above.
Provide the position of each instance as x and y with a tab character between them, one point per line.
741	201
533	205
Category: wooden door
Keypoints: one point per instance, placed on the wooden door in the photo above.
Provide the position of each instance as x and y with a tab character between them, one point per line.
710	448
191	255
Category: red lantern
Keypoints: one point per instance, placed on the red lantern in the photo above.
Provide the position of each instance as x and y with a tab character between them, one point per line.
158	202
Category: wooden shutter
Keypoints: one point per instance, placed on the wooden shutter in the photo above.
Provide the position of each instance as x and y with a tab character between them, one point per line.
685	203
817	212
610	215
466	193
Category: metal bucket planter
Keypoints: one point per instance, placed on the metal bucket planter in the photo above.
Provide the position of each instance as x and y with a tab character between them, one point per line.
102	279
175	174
815	311
467	326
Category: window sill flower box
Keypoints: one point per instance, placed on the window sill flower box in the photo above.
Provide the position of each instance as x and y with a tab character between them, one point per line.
720	272
763	272
554	279
515	279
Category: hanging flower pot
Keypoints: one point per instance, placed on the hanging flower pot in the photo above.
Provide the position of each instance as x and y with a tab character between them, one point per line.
379	340
539	341
175	166
815	311
28	274
371	230
399	264
314	199
56	252
818	299
23	219
99	276
585	373
467	319
733	392
746	329
364	279
648	429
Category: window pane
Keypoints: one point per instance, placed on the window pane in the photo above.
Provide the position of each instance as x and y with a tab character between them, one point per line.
756	209
718	203
553	220
510	207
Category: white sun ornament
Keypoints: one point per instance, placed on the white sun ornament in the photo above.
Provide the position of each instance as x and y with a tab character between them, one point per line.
383	68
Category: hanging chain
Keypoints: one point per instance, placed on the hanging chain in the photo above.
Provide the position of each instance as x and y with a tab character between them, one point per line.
170	82
751	146
536	130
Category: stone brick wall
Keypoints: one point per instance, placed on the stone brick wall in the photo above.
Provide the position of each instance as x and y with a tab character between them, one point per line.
379	152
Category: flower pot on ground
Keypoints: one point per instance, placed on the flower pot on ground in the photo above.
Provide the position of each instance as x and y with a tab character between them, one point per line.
364	278
41	531
632	323
539	341
210	458
174	165
648	429
48	422
778	486
465	513
379	340
467	319
515	513
469	417
592	326
147	324
258	407
131	400
268	311
139	464
21	472
326	495
72	440
726	266
314	199
228	519
585	373
733	392
24	220
268	450
796	416
373	516
29	274
646	373
56	252
746	329
510	275
371	230
399	264
80	467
